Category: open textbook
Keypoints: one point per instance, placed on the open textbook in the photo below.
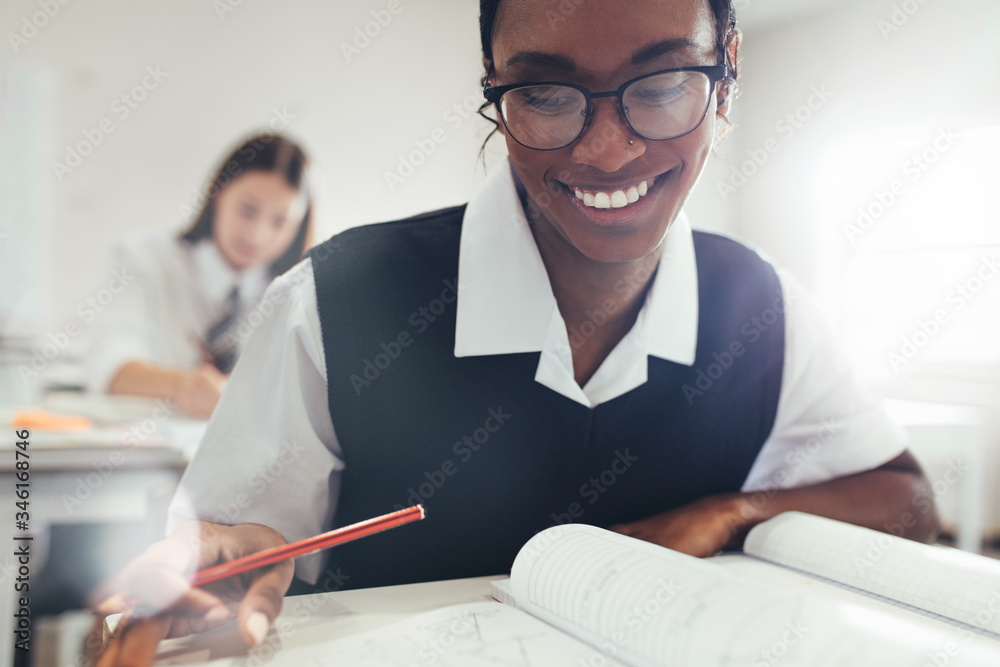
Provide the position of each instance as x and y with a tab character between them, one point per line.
581	596
644	605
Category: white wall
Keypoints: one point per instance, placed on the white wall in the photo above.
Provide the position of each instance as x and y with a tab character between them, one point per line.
941	67
224	78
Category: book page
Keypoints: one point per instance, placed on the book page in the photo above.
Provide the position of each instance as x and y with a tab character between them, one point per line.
646	605
476	634
944	581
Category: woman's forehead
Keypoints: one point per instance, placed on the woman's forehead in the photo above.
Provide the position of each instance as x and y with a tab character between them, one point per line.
602	34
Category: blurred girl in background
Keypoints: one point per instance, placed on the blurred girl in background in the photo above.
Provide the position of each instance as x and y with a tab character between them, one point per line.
176	332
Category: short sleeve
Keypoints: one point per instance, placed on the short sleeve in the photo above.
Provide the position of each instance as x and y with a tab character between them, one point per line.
270	454
828	424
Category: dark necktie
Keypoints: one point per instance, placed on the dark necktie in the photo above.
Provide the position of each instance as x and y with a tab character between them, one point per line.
219	339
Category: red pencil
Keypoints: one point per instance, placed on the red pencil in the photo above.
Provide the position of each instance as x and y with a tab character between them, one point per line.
308	545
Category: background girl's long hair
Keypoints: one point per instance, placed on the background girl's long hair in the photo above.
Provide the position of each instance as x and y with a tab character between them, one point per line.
261	152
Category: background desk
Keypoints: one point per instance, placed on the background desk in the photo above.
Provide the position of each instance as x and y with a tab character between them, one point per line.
75	482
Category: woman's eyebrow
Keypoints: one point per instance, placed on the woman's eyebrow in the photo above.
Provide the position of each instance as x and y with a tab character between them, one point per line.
647	53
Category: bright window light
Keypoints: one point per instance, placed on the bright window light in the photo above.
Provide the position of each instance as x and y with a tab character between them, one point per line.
914	226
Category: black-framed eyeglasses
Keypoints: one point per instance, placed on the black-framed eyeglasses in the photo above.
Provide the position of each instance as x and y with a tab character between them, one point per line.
551	115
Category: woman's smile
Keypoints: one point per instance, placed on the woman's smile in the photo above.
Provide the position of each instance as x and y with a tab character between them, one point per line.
616	203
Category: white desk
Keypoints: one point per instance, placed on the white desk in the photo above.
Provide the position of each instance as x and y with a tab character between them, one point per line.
314	619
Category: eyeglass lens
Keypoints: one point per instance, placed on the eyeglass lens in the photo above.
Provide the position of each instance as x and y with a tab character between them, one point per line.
662	106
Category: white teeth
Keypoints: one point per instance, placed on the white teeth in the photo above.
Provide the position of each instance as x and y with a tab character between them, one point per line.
615	199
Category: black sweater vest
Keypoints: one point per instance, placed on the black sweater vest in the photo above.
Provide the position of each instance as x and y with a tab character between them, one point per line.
493	455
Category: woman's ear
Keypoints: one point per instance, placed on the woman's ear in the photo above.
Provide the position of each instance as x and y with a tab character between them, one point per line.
726	89
487	71
724	94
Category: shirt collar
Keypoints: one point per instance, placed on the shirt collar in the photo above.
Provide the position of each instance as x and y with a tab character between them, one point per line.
505	301
218	277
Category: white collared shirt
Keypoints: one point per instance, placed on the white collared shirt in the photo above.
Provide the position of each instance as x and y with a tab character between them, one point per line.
274	412
502	310
173	293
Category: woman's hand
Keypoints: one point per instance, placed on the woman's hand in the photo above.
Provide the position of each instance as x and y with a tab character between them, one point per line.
157	581
197	392
702	528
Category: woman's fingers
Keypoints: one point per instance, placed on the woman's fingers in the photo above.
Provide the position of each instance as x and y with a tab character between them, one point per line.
158	585
262	602
135	645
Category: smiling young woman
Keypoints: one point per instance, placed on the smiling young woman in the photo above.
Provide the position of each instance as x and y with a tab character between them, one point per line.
597	329
590	246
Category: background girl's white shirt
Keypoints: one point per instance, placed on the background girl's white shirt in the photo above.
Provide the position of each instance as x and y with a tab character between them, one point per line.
274	412
177	292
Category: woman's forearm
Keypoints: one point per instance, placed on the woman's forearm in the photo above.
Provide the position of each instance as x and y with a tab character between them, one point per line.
196	392
138	378
894	498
